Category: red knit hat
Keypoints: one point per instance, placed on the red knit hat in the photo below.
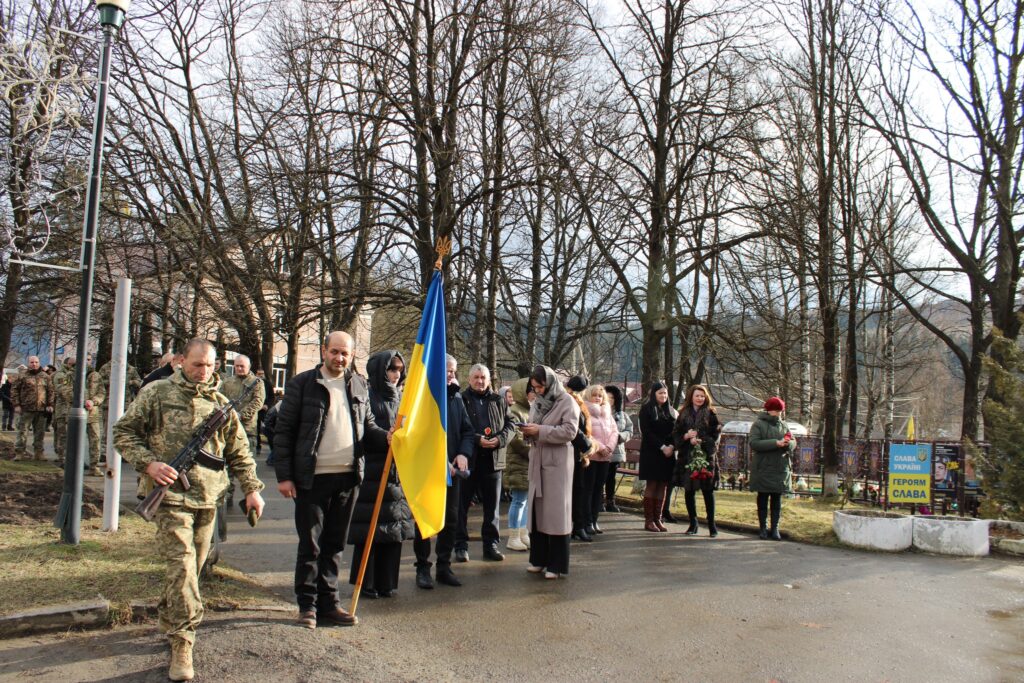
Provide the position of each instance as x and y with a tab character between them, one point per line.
775	403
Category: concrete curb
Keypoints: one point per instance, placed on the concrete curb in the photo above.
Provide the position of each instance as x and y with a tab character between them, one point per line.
79	615
97	614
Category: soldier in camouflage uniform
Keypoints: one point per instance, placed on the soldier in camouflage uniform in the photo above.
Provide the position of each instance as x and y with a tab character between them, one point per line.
63	394
132	384
155	428
234	386
32	397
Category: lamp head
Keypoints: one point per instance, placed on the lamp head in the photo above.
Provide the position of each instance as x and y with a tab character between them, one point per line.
112	12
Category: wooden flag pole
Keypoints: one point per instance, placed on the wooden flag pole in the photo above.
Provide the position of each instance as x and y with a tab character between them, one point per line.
373	522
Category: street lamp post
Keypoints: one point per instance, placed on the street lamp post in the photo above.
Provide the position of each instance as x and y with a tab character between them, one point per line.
69	515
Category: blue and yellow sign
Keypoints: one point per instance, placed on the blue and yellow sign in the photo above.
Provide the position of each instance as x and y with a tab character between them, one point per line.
910	472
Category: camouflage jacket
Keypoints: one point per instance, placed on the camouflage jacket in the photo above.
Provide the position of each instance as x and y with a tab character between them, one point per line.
32	391
233	388
132	381
64	392
159	423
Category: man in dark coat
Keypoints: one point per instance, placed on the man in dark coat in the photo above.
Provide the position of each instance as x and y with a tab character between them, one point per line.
461	438
488	411
168	363
323	426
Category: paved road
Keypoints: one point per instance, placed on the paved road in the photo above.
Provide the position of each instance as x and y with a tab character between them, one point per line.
638	606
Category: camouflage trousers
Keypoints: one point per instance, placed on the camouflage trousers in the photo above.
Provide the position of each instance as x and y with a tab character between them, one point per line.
184	538
60	439
34	421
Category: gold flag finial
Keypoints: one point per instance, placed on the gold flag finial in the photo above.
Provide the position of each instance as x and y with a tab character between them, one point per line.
443	248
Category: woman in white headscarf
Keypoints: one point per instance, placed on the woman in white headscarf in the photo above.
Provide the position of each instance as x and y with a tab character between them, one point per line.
554	421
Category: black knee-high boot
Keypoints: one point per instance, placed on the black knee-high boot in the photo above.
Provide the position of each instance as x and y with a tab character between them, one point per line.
709	510
691	510
762	514
776	500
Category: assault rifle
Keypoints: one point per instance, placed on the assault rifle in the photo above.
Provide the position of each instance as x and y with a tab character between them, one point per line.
194	453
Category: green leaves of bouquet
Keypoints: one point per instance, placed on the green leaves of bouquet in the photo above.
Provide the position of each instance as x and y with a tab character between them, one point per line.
699	466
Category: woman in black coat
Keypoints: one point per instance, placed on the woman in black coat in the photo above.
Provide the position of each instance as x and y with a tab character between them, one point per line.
657	453
386	376
697	424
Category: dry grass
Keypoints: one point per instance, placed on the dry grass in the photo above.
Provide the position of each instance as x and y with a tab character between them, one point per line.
121	567
804	519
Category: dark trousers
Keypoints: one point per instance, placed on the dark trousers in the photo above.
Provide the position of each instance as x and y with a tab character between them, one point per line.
445	537
259	428
381	567
707	488
609	482
487	482
594	478
9	419
580	503
322	517
762	508
551	552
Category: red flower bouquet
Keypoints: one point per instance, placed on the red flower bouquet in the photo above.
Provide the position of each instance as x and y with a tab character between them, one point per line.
699	466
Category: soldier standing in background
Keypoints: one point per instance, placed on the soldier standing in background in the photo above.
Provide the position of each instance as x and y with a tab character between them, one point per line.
234	386
132	384
63	394
155	428
32	396
95	396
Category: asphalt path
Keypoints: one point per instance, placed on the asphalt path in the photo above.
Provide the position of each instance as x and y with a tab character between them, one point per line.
636	606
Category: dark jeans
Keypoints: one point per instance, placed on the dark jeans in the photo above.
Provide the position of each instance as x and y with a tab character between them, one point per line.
593	480
322	517
488	483
445	537
551	552
609	482
259	428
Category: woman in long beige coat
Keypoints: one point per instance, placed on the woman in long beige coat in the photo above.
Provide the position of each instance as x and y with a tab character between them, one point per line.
554	421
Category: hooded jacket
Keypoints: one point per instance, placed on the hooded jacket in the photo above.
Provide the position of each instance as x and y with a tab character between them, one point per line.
517	455
394	521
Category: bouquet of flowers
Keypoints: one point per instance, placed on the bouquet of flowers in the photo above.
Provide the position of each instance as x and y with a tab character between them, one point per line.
699	466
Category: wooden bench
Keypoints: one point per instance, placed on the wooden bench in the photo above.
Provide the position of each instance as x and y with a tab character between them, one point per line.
630	468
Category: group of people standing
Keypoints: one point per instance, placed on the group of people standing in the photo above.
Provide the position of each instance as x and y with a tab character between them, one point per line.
557	445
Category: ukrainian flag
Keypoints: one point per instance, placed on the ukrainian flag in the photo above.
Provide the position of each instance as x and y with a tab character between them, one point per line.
420	446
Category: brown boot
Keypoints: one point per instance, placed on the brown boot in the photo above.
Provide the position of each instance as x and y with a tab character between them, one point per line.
181	661
649	524
658	506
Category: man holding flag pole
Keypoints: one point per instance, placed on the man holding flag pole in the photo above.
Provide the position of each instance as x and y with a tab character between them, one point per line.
418	440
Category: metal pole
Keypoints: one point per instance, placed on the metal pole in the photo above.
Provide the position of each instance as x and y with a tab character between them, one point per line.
69	514
115	403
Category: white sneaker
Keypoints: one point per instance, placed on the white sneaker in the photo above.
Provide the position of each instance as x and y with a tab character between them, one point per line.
514	542
533	569
524	536
550	575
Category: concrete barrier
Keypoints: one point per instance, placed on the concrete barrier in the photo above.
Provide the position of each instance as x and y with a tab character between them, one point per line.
948	535
873	529
1010	546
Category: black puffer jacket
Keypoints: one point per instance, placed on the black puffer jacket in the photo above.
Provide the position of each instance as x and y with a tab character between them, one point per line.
394	522
300	425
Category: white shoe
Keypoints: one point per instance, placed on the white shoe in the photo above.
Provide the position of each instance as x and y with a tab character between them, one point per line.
524	536
514	542
534	570
550	575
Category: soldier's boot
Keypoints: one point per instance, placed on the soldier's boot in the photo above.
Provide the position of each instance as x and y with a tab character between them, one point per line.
181	661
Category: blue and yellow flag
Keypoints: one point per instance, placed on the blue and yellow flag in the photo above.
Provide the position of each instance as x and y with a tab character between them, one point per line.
420	447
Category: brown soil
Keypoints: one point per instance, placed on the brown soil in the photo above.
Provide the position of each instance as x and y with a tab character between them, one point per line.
30	497
1004	532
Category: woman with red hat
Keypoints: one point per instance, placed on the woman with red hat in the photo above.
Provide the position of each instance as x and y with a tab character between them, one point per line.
772	446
